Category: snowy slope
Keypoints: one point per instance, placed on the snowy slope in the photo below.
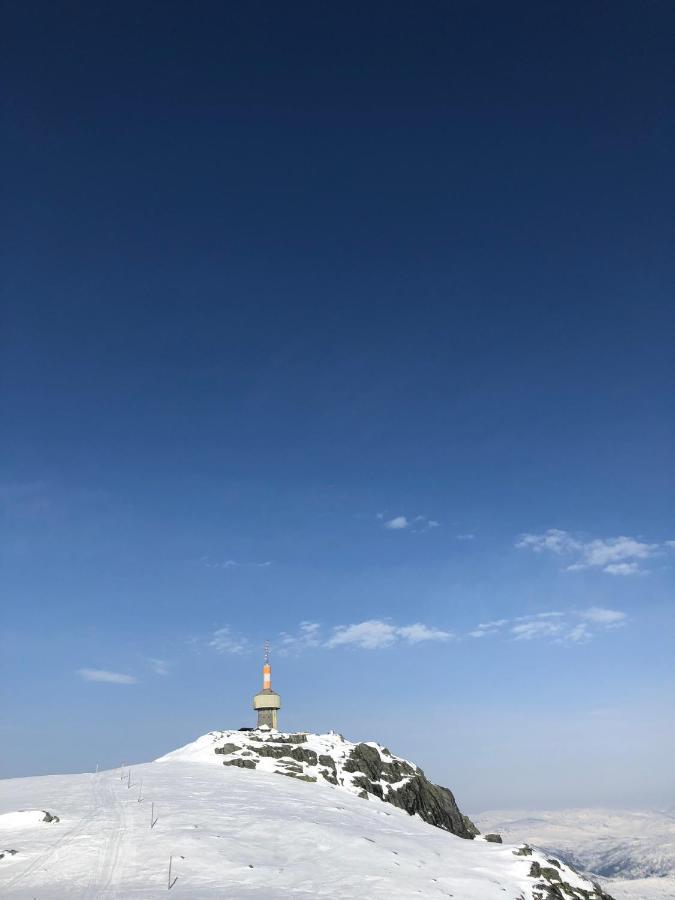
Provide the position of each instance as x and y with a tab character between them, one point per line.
239	833
633	851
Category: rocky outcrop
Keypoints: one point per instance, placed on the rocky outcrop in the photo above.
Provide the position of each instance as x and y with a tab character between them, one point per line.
398	782
552	884
365	769
241	763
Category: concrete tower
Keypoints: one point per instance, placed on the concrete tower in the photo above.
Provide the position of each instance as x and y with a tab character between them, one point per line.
267	702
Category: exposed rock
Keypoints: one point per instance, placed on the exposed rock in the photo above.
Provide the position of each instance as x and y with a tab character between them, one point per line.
367	759
493	838
525	850
299	777
471	829
553	887
227	748
49	817
241	763
416	795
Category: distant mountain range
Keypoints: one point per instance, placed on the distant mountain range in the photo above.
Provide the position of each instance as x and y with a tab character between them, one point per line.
633	852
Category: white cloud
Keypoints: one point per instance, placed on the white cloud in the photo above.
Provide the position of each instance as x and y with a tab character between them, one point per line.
232	564
397	523
369	635
536	628
625	568
105	676
603	552
376	633
417	525
579	634
418	632
601	616
487	628
309	635
614	556
465	537
555	540
559	627
670	544
159	666
224	641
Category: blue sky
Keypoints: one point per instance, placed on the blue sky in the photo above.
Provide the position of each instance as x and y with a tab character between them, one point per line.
351	330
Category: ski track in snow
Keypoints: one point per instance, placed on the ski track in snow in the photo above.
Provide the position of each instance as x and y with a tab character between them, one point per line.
108	804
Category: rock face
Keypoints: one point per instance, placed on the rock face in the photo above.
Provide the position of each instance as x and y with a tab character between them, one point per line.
409	788
366	769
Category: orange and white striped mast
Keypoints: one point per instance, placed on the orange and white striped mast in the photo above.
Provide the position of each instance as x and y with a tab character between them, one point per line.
267	702
267	669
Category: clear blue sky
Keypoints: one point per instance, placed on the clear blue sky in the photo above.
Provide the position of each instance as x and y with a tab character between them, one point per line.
359	317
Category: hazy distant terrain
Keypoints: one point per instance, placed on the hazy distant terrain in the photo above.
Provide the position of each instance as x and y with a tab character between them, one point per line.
632	851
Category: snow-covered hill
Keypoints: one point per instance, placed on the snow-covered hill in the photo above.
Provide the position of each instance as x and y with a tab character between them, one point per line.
245	831
633	851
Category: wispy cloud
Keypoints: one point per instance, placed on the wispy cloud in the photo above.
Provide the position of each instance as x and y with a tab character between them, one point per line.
225	641
159	666
373	634
210	563
610	618
309	635
620	555
398	523
416	524
465	537
576	626
106	676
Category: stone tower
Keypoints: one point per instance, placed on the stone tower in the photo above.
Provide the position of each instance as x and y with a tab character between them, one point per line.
267	702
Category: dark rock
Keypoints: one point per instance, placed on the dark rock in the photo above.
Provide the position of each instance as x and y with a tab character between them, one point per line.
241	763
525	850
276	752
288	739
550	874
493	838
227	748
470	827
49	817
302	754
298	777
367	759
327	761
435	804
330	777
561	890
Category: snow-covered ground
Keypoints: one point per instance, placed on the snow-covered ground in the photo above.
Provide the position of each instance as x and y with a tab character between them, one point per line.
238	833
633	851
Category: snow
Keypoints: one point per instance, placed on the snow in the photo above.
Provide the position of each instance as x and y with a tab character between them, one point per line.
238	833
631	851
331	744
22	818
